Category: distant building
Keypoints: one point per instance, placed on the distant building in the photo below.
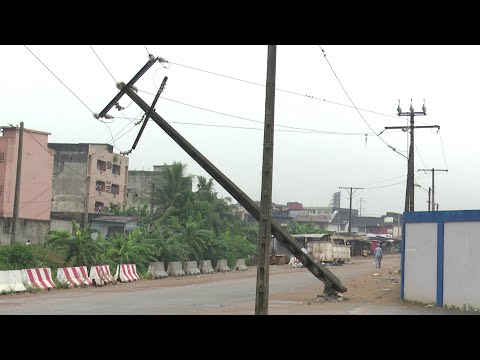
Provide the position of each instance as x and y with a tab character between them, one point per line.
317	210
142	184
280	214
86	179
320	220
108	225
294	209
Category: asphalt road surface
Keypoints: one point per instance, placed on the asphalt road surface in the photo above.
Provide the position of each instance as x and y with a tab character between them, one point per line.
292	291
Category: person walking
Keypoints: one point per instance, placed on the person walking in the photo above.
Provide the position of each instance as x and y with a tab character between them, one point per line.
377	253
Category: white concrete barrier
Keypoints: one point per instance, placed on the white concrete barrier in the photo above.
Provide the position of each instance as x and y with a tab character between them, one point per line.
126	273
83	273
38	278
240	265
72	276
206	267
175	269
222	266
157	269
11	281
191	268
100	275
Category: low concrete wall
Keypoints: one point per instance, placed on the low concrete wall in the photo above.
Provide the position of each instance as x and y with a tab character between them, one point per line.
34	230
61	225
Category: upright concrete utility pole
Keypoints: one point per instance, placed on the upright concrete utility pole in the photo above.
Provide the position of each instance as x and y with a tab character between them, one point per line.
152	200
410	192
16	200
351	192
87	197
433	183
429	194
263	249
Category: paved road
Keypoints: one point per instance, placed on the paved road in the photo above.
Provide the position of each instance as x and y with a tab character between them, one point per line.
229	294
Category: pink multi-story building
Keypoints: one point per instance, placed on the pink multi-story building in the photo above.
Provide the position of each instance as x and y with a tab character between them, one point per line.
35	177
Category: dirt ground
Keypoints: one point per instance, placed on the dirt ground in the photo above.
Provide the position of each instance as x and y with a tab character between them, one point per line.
367	286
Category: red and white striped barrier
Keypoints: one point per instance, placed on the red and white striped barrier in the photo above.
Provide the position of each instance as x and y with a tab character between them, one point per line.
39	278
127	273
73	276
101	275
84	275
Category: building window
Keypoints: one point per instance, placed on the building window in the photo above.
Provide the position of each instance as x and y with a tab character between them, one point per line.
2	157
116	169
136	195
1	189
101	165
108	186
98	206
109	165
100	186
115	189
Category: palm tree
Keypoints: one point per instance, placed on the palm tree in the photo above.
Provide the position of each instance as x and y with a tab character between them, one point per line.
132	248
168	248
79	248
194	235
174	183
205	189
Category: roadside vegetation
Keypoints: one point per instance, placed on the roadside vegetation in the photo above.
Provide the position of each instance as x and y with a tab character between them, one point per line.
187	225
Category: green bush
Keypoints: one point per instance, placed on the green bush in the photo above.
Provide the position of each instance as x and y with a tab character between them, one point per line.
17	257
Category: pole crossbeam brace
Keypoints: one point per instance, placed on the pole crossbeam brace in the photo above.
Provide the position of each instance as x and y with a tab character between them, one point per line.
332	283
147	115
142	71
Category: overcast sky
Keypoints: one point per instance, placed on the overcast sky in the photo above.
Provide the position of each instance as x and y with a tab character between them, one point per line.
308	167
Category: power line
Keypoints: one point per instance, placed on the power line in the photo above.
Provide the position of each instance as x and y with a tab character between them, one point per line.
401	182
260	122
380	181
148	52
59	79
260	129
366	122
119	108
420	156
103	64
443	152
278	89
71	90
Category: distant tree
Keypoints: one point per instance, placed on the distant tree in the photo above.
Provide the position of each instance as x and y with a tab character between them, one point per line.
79	248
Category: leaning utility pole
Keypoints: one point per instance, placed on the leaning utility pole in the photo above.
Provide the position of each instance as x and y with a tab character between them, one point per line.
263	249
410	192
433	183
332	283
350	213
16	200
